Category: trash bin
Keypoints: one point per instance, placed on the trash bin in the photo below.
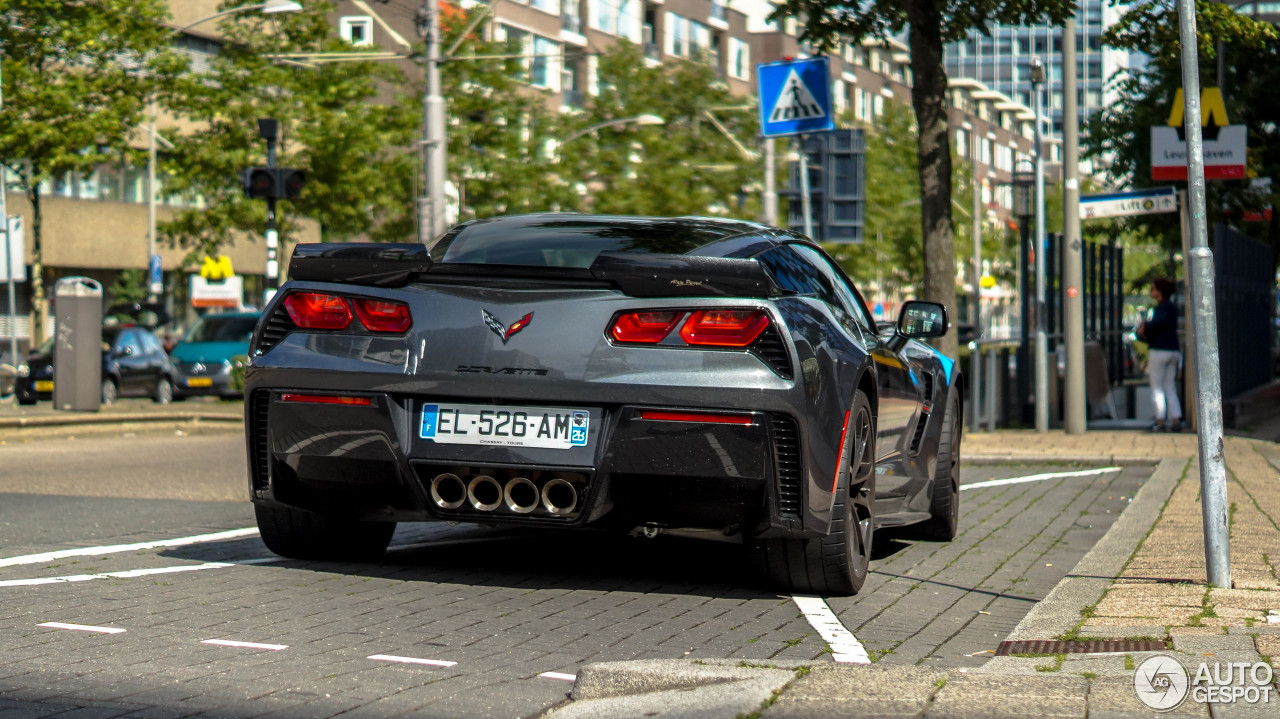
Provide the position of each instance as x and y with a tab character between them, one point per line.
77	351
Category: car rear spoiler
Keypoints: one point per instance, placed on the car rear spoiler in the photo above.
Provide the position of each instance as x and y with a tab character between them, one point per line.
644	275
636	274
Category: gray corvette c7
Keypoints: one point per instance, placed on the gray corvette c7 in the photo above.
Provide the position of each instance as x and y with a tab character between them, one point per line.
572	371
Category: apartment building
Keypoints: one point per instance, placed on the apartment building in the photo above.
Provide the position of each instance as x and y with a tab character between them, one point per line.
1002	62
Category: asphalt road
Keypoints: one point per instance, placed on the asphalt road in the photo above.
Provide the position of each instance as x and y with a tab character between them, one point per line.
467	620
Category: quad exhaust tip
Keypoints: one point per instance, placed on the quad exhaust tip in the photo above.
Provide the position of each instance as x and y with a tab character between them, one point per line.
448	491
521	495
484	493
559	497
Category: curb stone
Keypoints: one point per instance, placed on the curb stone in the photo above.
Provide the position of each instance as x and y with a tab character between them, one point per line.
141	417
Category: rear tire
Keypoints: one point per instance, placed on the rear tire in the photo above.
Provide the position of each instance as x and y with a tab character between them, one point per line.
164	391
307	535
944	509
838	563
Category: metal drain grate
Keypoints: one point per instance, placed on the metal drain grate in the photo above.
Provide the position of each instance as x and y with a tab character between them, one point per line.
1050	646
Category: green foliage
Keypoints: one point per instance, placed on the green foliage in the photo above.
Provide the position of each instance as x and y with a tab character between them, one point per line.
130	286
500	132
335	123
686	165
1120	134
827	21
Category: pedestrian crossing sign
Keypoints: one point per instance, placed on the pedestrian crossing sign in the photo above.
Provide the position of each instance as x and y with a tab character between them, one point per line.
795	97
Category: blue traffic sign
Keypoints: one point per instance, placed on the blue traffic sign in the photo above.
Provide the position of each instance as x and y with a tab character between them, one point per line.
795	97
155	273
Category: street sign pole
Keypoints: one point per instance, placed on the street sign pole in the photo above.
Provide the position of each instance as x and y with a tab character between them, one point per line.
1042	338
8	254
806	201
769	213
795	98
1208	400
1075	411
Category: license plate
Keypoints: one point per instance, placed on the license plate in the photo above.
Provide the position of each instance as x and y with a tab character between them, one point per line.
44	386
199	381
544	427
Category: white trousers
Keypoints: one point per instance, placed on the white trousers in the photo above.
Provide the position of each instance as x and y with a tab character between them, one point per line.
1162	366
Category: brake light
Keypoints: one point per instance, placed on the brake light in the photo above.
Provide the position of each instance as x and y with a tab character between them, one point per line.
724	328
707	417
318	311
383	316
326	399
644	327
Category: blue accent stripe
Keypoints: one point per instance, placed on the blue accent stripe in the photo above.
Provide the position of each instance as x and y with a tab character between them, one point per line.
947	364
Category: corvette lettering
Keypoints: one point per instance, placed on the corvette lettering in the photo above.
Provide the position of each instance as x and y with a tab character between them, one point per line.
478	369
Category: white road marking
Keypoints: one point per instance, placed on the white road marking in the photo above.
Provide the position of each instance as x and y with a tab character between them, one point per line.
132	573
845	648
1039	478
559	675
82	628
245	645
117	548
412	660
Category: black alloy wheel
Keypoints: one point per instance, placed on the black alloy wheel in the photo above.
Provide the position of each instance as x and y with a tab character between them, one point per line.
110	393
838	563
164	391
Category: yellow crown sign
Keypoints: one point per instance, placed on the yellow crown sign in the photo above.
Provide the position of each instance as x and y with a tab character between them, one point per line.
218	268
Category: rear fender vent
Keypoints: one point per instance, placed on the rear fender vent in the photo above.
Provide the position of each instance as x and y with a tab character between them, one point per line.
260	439
786	463
274	328
772	350
918	437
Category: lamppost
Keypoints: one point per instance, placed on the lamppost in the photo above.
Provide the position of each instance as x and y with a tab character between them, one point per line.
1042	339
270	7
645	119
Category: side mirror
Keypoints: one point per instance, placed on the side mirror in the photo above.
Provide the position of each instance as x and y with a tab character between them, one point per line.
124	351
921	320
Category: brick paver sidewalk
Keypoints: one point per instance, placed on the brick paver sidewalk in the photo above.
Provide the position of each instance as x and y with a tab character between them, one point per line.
1164	588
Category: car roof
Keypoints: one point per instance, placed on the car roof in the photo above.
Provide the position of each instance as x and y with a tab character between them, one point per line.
500	240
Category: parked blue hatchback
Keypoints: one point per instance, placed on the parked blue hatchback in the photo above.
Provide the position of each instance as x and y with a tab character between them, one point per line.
204	359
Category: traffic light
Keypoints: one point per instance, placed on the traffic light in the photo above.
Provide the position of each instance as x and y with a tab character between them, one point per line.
272	183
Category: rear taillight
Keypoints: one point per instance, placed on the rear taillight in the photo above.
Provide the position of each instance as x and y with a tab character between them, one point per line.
318	311
383	316
326	399
724	328
704	417
644	327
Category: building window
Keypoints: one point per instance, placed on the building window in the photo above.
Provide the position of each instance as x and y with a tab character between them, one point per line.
356	29
739	59
551	6
544	51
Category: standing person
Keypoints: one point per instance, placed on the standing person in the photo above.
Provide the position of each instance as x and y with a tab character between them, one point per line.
1160	332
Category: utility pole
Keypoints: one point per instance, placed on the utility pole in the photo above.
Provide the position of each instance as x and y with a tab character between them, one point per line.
806	201
269	129
975	357
1204	315
1042	339
769	213
1076	411
431	209
8	253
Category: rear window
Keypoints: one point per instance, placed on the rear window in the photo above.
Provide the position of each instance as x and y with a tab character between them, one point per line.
222	329
572	240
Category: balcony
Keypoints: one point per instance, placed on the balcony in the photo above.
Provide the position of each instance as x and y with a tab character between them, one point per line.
652	51
571	98
571	23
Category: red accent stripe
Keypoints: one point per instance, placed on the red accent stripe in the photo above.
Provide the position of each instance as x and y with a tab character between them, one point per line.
326	399
696	417
840	457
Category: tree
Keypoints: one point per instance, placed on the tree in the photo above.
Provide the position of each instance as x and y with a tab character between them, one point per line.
684	166
337	124
930	24
501	128
76	75
1120	137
